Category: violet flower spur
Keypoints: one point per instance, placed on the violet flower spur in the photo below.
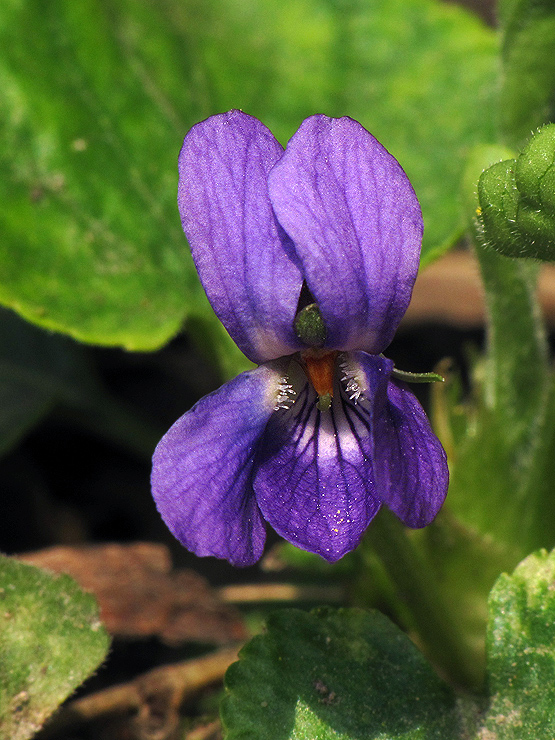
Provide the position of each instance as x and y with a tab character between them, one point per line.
308	257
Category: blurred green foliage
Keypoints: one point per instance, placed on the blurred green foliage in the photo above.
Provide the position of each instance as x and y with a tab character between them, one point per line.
97	96
526	95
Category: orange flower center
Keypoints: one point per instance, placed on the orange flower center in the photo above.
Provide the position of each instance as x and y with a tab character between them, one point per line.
320	366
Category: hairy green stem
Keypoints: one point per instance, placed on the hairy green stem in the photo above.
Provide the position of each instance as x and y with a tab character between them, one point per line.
437	626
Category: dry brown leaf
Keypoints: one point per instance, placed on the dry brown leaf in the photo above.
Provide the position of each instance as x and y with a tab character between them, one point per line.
140	595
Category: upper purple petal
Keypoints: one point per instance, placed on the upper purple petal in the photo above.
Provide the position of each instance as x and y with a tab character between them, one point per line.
357	228
409	463
312	481
245	261
202	468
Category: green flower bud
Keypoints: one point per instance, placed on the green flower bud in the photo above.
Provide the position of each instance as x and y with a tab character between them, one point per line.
535	170
517	201
498	199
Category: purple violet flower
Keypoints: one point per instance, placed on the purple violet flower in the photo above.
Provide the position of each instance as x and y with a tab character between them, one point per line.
308	257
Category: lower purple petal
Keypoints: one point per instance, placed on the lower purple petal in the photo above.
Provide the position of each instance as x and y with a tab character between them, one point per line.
202	469
312	481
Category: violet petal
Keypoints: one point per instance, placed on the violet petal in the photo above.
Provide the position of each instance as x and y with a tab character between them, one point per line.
357	227
245	261
202	468
410	463
410	466
312	481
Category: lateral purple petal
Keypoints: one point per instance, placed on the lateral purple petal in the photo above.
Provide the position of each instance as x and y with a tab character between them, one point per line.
409	462
245	261
410	466
202	469
312	481
357	228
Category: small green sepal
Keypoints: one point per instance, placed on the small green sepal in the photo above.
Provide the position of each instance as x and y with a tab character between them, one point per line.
408	377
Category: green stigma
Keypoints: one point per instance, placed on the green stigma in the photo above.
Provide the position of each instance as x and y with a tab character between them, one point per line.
324	402
309	326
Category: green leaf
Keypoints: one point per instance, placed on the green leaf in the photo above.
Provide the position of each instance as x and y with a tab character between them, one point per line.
335	674
51	640
92	242
94	119
528	80
521	652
